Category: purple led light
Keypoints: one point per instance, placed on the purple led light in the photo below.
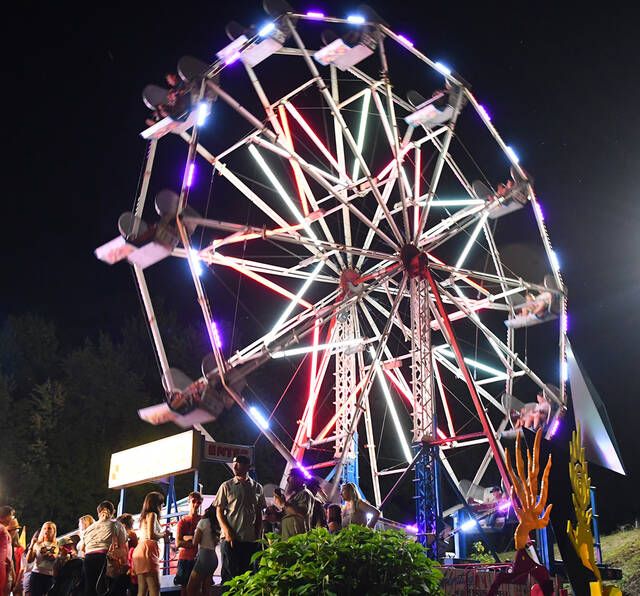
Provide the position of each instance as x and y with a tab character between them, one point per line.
304	471
405	41
503	507
231	59
539	210
192	167
411	528
315	14
216	334
484	112
554	427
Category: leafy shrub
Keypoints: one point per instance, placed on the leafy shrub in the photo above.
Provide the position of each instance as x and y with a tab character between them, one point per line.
480	554
357	560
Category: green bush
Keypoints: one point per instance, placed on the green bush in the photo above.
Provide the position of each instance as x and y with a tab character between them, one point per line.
480	554
357	560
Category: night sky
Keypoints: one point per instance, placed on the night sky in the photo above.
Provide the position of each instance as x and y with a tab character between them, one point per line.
561	86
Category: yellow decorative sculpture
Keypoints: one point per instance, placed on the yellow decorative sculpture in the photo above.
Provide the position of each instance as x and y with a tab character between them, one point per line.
581	536
532	502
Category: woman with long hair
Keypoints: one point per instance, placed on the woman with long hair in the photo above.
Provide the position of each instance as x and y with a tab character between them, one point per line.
206	538
43	552
83	523
356	510
146	555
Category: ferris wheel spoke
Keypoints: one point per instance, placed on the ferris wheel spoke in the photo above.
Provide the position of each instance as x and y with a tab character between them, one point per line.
443	396
306	426
451	226
233	264
506	350
297	324
391	127
279	147
453	166
271	116
318	143
287	199
402	439
517	285
339	147
291	306
386	193
312	171
497	263
362	129
406	332
437	172
345	131
217	258
399	377
304	190
295	166
253	197
445	356
429	137
224	171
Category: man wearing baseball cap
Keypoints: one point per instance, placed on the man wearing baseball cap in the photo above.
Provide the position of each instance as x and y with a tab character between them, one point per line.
239	504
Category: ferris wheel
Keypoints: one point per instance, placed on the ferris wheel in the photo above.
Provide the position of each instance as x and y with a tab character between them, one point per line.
391	245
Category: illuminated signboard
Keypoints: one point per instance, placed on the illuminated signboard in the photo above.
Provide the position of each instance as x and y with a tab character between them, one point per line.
166	457
225	452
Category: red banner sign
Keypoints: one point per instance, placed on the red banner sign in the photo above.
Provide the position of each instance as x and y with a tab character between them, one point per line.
225	452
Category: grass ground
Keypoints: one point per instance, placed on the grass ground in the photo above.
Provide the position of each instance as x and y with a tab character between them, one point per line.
621	550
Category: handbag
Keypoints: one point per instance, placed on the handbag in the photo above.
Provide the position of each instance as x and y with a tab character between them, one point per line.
117	557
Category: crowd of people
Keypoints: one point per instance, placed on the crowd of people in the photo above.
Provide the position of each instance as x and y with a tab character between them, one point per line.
107	557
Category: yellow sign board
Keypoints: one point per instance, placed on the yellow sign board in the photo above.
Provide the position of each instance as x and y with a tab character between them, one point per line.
166	457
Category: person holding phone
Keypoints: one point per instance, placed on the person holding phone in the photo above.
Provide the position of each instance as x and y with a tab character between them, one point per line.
43	552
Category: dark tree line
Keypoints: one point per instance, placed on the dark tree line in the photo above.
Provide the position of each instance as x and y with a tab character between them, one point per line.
66	407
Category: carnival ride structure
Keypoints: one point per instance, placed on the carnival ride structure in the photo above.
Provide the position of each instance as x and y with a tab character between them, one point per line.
385	234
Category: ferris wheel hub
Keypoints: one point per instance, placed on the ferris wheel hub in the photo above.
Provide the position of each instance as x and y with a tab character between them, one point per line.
413	259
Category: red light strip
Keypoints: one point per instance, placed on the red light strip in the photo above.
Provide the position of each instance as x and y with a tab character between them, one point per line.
314	137
295	166
453	343
263	280
399	388
313	395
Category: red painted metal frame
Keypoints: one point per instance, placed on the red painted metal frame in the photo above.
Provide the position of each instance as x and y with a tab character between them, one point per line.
497	454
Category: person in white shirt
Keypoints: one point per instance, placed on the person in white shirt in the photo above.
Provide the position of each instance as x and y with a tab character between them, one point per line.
42	551
206	538
97	540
